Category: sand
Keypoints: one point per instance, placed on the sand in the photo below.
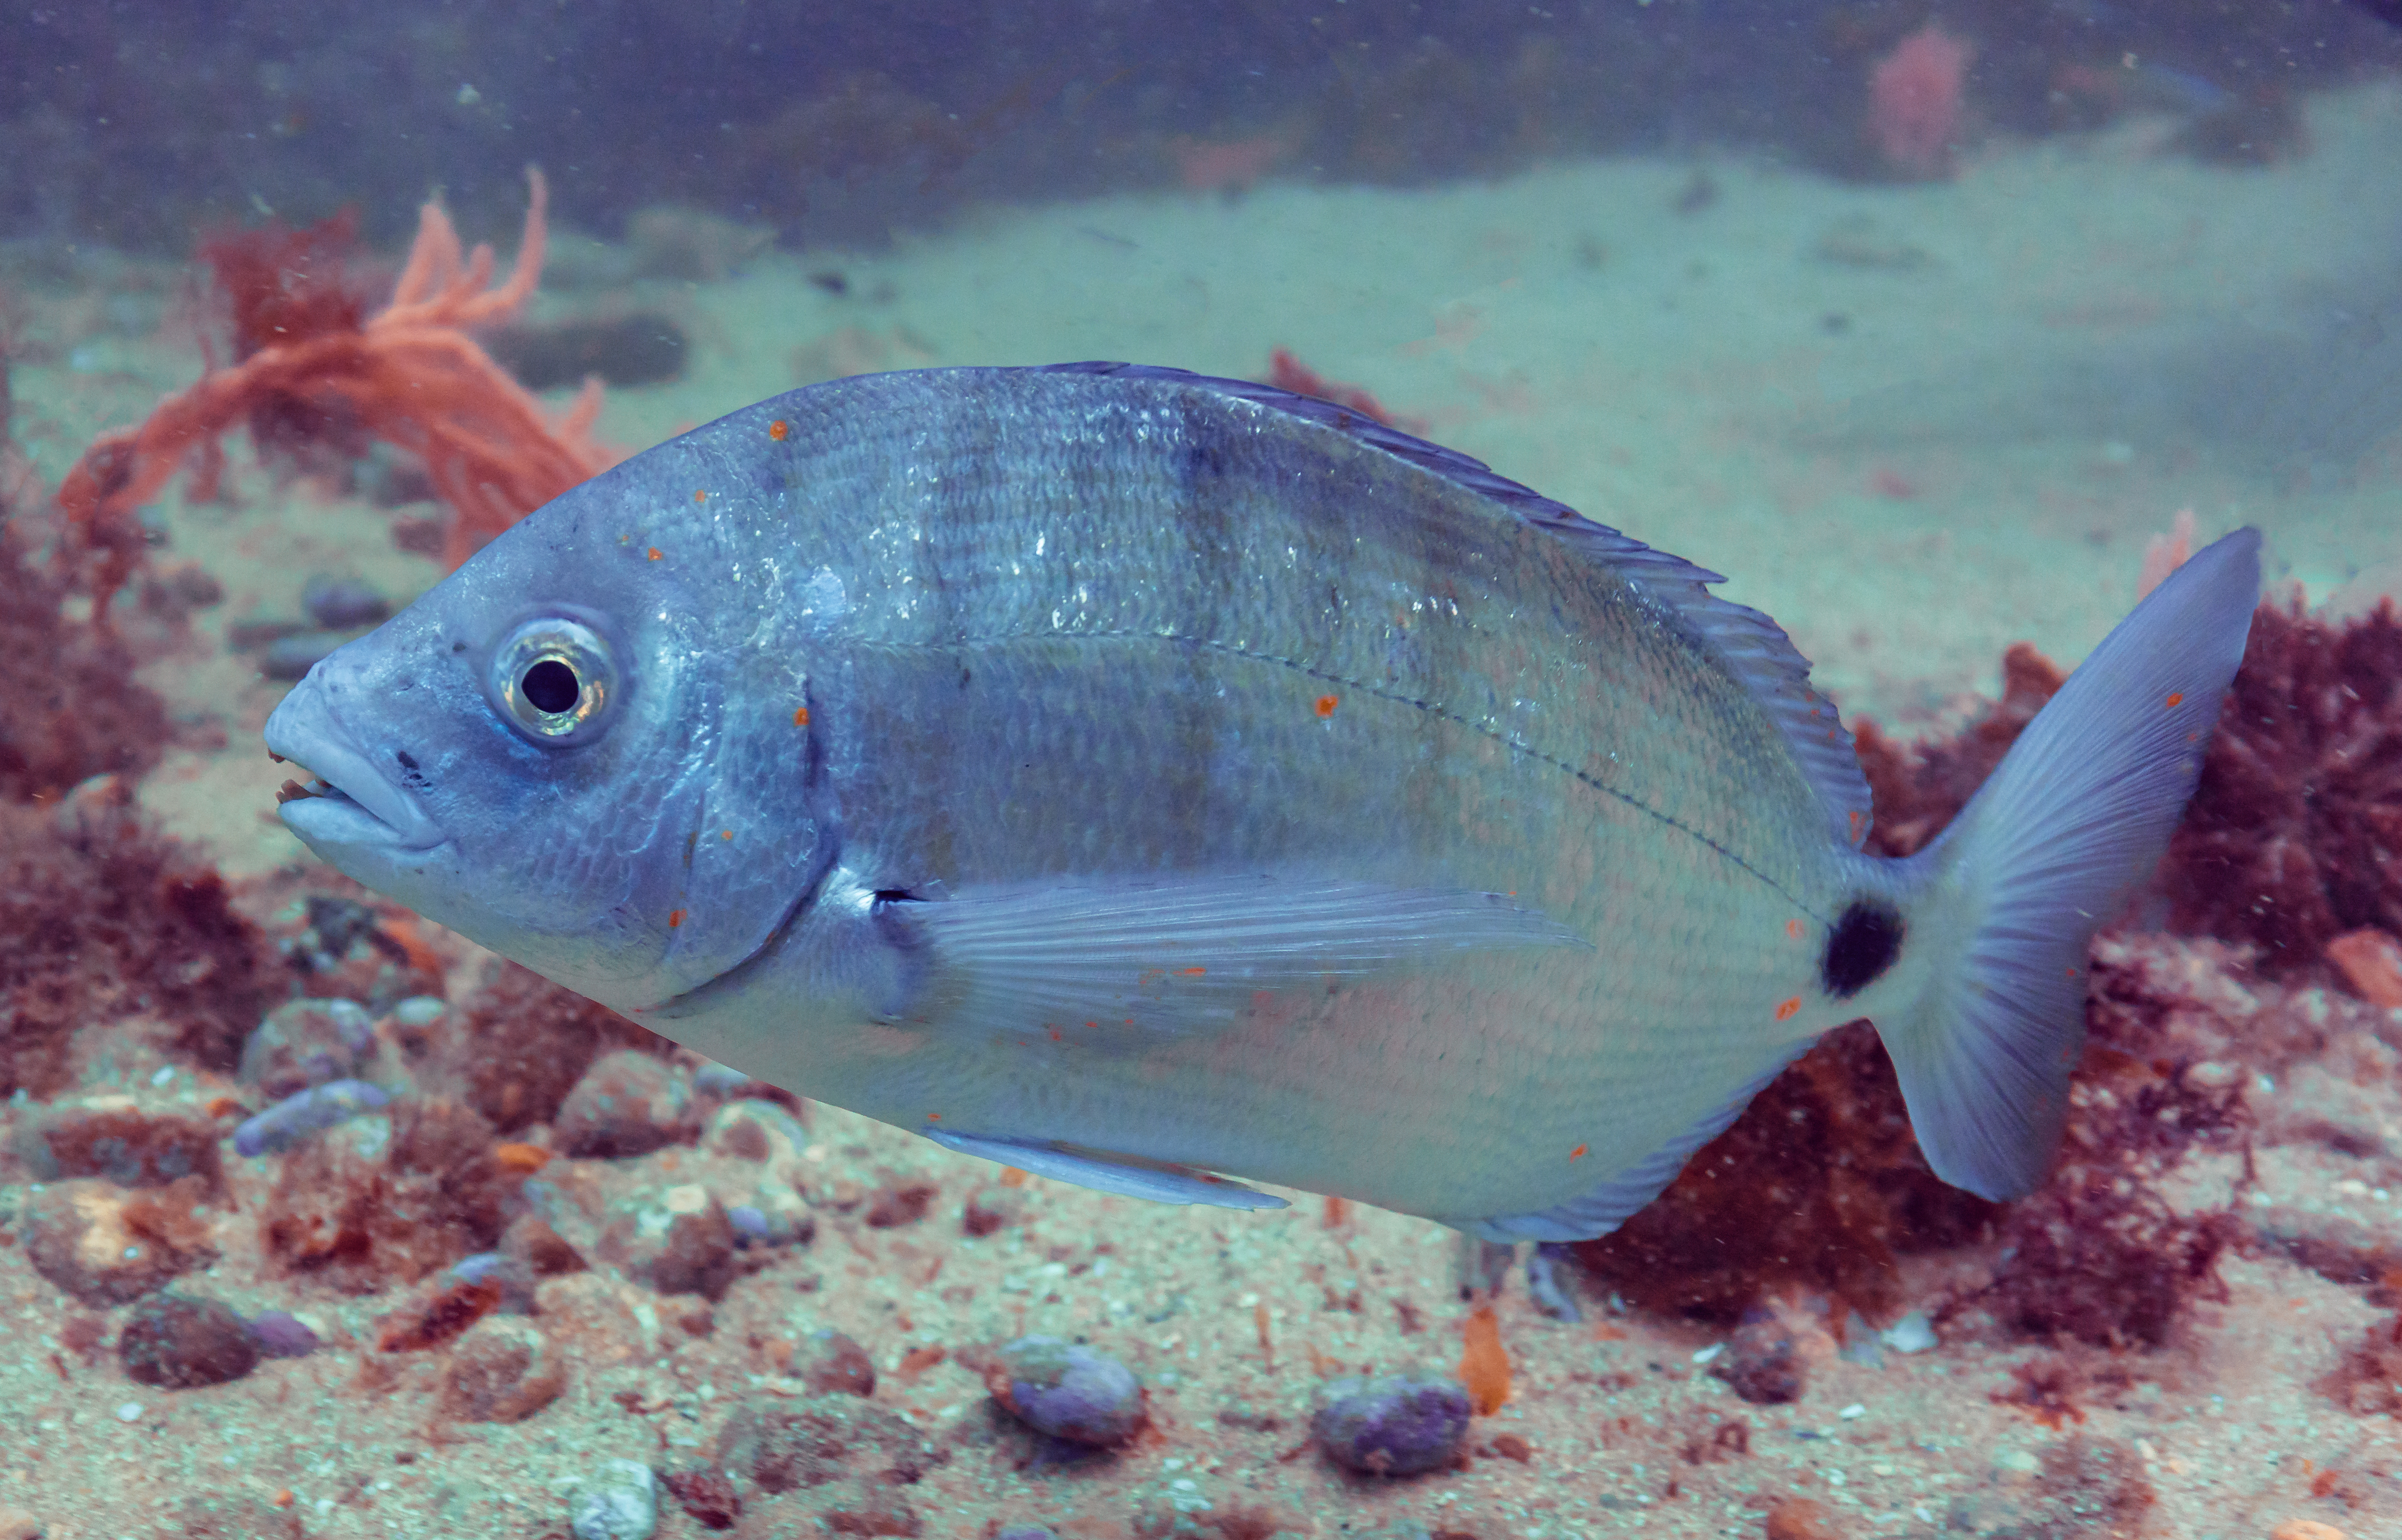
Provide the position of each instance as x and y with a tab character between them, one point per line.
1914	423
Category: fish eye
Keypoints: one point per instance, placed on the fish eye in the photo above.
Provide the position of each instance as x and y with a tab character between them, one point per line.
554	679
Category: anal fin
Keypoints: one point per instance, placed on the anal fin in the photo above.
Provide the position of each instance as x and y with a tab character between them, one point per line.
1125	1176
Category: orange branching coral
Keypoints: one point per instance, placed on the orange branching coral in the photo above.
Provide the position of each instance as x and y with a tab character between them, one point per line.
411	375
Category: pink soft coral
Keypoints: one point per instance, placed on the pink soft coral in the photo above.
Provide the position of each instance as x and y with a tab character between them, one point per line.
411	375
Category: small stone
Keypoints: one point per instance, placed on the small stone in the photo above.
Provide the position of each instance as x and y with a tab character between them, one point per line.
1911	1334
1763	1363
177	1341
2305	1528
1398	1424
786	1446
1068	1391
280	1334
827	1363
343	604
16	1524
502	1370
307	1042
627	1104
989	1209
621	1504
107	1246
531	1239
1800	1519
115	1139
420	1011
706	1494
678	1241
303	1113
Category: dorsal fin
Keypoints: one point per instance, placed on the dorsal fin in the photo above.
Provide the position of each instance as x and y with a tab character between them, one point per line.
1752	647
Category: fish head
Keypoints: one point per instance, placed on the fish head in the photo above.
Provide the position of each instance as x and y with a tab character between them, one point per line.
559	752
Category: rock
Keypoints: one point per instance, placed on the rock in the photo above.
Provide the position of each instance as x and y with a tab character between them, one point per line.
531	1239
786	1446
1068	1391
679	1242
621	1504
707	1494
1800	1519
1763	1363
177	1341
16	1524
1397	1424
500	1370
627	1104
597	1319
280	1334
303	1113
307	1042
827	1363
107	1246
343	604
115	1138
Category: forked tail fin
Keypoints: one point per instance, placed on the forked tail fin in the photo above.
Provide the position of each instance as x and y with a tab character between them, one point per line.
2075	817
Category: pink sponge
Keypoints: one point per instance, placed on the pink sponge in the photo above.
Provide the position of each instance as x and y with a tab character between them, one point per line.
1915	101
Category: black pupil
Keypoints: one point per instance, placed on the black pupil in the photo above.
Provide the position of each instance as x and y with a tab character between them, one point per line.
550	686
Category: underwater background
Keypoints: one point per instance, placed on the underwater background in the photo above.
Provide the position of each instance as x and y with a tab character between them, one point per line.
1944	330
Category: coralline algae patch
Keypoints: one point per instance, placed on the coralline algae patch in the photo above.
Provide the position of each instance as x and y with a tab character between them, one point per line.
678	1305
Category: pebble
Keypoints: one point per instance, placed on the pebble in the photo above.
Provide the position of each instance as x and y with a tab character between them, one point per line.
827	1363
676	1242
785	1446
177	1341
1396	1424
115	1139
621	1504
627	1104
341	604
500	1370
1911	1334
306	1112
2305	1528
78	1236
420	1011
707	1493
1761	1362
280	1334
307	1042
1068	1391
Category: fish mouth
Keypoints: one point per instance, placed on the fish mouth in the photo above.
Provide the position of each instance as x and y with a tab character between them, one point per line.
346	801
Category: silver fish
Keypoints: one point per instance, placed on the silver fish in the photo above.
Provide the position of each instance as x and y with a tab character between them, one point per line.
1150	780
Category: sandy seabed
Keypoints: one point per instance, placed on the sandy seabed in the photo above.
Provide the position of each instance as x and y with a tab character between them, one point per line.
1914	424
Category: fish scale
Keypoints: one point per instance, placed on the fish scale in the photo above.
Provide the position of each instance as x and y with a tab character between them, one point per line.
1151	781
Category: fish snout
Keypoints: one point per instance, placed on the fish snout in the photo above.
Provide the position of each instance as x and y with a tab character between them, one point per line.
350	800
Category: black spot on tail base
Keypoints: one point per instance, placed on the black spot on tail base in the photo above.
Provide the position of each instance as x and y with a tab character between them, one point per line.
1862	946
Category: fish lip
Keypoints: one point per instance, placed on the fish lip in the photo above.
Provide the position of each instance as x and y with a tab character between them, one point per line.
359	806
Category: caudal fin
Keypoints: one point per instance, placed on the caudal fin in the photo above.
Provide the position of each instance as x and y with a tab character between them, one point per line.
2075	817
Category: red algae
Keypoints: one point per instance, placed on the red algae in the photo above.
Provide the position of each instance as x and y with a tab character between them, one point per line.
411	375
109	917
2295	835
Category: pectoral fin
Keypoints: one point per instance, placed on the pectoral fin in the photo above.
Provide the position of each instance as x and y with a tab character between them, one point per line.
1129	1176
1134	961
